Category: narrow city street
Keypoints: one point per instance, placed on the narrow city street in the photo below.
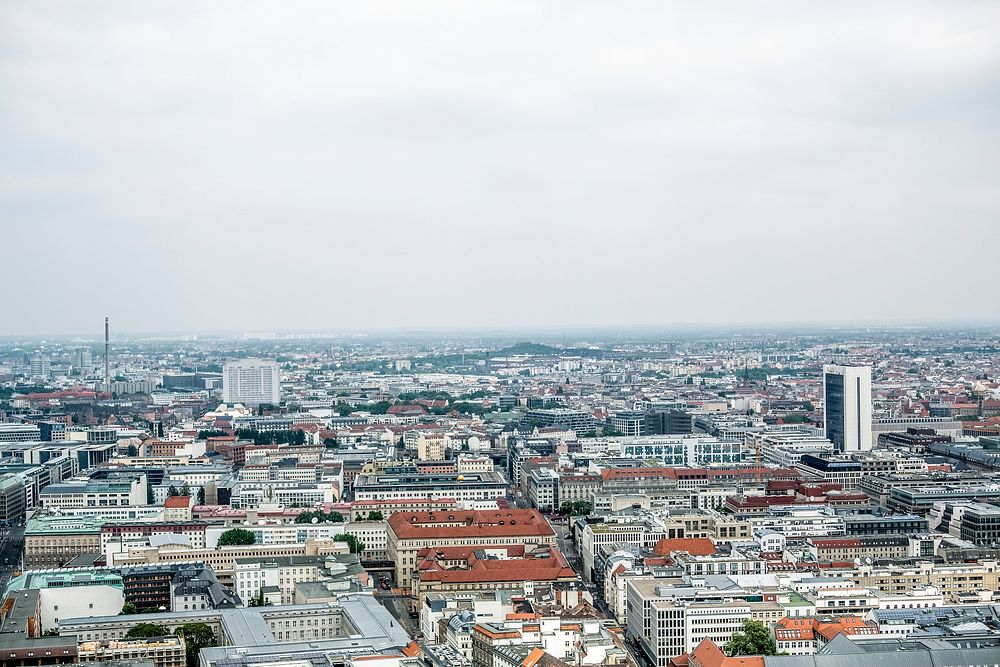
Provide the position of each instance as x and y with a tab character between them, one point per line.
399	606
11	545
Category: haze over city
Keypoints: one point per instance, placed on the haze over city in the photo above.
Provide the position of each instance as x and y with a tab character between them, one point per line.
439	164
499	334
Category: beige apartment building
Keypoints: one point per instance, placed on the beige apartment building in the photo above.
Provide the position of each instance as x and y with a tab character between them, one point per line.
957	582
223	559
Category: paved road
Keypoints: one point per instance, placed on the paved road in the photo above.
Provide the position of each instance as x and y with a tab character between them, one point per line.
11	546
519	503
638	656
399	607
565	543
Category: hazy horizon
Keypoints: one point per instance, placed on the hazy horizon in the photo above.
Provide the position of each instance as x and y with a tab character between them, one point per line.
530	331
387	166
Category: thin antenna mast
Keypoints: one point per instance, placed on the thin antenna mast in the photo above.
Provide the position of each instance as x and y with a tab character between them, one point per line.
107	354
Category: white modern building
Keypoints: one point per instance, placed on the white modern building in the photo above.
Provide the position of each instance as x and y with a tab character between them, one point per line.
119	491
665	621
251	382
847	407
799	522
684	450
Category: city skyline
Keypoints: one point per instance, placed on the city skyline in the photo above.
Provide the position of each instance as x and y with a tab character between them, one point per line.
540	490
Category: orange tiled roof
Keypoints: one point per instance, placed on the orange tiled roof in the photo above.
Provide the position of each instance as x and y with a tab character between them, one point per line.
707	654
848	625
696	546
532	658
794	629
516	567
469	524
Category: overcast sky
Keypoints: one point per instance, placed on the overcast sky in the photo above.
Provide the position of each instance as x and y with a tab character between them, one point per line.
298	165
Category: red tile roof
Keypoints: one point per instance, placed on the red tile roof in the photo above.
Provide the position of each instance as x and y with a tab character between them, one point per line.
829	628
708	654
469	524
533	657
696	546
417	410
516	567
794	629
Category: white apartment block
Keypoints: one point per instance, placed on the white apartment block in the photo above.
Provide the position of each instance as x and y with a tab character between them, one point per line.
689	451
799	522
920	597
251	382
94	493
596	535
252	575
373	534
665	627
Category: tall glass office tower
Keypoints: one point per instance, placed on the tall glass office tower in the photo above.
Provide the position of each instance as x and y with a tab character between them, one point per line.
847	407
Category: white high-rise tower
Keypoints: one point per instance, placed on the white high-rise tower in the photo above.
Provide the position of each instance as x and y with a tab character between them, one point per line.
847	407
251	382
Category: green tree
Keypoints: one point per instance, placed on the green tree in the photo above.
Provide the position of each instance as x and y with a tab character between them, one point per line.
320	516
172	491
132	451
257	600
236	537
144	630
752	639
355	545
201	495
376	515
185	490
576	508
128	609
196	637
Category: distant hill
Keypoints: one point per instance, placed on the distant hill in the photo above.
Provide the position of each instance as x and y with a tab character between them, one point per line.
528	348
539	349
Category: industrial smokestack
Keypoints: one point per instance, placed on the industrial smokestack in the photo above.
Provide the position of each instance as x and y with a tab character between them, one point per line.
107	354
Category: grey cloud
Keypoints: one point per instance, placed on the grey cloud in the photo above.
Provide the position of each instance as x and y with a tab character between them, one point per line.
395	164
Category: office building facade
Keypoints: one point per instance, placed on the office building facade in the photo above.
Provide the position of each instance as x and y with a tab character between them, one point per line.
847	401
251	382
668	422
